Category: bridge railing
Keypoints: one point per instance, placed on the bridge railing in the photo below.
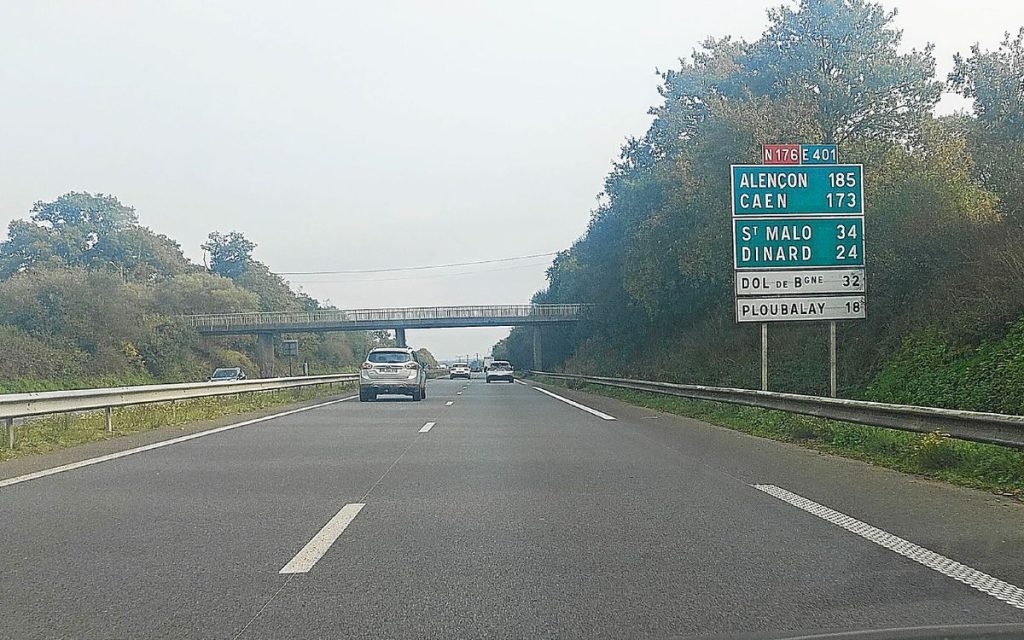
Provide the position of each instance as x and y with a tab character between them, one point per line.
337	316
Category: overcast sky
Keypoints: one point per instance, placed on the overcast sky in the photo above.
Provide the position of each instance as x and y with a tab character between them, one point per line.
366	135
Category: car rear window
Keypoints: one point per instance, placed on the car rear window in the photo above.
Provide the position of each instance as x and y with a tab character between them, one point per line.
225	373
389	357
500	366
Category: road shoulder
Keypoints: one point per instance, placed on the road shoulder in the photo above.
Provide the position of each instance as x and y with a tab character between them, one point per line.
940	516
32	463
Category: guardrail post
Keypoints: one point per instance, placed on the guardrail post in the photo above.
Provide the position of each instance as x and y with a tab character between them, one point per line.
10	433
108	413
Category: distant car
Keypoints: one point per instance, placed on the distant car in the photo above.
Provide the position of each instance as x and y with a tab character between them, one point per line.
500	370
459	370
223	374
392	370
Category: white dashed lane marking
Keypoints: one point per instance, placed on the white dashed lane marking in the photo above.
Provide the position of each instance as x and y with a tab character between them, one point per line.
427	427
322	541
1008	593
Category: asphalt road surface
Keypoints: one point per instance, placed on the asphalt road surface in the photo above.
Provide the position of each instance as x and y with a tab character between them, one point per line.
495	510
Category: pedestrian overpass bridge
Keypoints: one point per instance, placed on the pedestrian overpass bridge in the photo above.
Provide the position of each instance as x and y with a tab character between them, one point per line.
267	325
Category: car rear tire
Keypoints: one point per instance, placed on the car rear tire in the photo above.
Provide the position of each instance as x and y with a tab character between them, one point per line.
416	395
364	396
423	393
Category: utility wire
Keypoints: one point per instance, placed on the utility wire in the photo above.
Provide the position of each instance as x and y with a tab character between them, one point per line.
418	268
426	277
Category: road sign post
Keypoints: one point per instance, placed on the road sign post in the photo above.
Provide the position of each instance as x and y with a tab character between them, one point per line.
798	241
832	367
764	356
290	348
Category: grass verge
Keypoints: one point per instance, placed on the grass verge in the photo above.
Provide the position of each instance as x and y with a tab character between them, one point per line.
932	455
50	433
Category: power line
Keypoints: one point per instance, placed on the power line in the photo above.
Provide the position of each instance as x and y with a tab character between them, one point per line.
418	268
427	277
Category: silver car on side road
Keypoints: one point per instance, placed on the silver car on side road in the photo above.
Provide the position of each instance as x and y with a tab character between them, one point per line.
392	370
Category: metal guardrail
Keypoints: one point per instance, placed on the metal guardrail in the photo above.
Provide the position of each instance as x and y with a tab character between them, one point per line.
991	428
23	405
337	316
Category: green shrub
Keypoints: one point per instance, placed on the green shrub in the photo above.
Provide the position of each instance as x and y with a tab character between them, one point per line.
935	451
932	369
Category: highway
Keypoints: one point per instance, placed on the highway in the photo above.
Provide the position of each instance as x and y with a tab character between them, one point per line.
494	510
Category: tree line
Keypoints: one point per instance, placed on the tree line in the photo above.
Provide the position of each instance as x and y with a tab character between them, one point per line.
944	214
90	296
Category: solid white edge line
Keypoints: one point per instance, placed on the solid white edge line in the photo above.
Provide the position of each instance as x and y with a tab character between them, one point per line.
427	427
603	416
156	445
1008	593
322	541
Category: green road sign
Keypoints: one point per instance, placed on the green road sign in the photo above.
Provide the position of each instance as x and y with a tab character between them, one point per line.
771	190
798	242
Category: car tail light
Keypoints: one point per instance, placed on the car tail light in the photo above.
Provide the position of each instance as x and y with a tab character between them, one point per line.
411	365
367	365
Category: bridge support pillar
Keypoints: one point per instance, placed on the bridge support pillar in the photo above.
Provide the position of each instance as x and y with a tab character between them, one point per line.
538	354
265	354
400	337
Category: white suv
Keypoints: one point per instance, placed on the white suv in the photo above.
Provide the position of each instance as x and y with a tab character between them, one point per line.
500	370
459	370
392	370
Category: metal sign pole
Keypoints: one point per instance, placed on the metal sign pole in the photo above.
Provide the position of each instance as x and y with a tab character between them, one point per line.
832	367
764	356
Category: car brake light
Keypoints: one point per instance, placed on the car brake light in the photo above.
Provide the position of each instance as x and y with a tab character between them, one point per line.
367	365
411	365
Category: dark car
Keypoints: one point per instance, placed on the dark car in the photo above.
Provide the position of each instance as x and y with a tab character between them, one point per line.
223	374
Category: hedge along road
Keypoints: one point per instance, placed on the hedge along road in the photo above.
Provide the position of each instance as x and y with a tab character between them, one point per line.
514	513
